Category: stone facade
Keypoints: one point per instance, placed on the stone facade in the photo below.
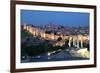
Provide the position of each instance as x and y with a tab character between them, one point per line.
75	39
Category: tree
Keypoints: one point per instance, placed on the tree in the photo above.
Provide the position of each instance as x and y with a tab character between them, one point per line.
59	39
66	43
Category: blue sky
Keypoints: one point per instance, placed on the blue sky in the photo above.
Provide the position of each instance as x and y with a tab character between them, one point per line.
62	18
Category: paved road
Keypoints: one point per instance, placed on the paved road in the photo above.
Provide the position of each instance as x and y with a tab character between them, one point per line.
60	56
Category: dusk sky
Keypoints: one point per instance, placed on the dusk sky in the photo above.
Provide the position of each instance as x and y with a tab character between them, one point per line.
62	18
